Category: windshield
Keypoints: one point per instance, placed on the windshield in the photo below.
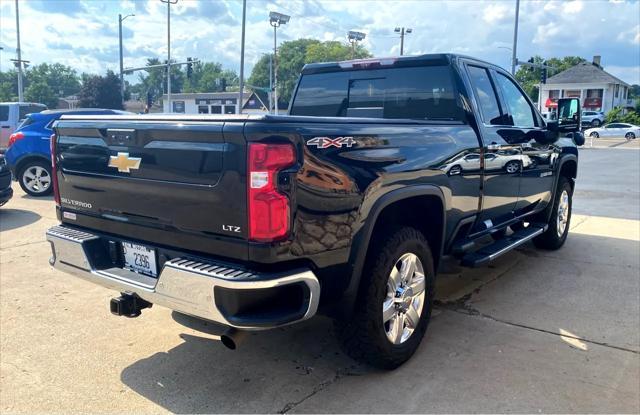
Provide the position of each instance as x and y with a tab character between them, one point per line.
423	93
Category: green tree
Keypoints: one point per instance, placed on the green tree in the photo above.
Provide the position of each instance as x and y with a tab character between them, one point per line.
529	78
293	55
100	91
39	91
616	115
155	80
206	77
9	85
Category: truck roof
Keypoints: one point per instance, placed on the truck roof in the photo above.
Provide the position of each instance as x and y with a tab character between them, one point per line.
392	61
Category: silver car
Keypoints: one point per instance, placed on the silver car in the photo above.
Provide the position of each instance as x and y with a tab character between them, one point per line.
614	129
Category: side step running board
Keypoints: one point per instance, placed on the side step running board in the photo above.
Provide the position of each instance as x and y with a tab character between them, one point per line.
490	252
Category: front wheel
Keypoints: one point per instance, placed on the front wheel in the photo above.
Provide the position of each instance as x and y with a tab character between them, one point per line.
556	234
630	136
35	178
394	304
512	167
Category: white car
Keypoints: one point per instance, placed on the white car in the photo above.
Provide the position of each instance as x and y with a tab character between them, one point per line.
593	118
615	129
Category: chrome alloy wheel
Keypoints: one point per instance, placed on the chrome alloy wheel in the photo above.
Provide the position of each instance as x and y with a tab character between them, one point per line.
403	305
36	179
512	167
563	213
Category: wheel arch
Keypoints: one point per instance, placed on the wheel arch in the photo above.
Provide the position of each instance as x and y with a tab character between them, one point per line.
24	160
390	206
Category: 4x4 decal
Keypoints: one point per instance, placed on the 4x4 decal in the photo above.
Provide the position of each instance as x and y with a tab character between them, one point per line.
326	142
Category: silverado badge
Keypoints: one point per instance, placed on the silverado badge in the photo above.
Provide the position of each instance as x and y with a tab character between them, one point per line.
124	163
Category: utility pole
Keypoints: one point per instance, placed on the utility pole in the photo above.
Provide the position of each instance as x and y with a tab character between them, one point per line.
19	53
120	20
244	20
270	82
275	20
354	37
514	59
402	32
169	3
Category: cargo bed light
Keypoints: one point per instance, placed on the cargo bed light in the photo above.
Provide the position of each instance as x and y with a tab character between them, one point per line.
365	63
268	208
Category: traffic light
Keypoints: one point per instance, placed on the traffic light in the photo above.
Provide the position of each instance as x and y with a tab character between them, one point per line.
189	68
543	74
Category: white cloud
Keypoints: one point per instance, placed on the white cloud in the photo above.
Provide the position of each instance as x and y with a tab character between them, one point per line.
209	29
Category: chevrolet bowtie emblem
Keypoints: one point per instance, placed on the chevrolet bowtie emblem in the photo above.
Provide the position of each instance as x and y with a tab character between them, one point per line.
124	163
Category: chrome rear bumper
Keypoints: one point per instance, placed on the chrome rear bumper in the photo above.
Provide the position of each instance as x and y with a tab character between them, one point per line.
183	284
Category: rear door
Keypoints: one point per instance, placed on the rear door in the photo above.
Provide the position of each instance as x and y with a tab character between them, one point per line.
180	177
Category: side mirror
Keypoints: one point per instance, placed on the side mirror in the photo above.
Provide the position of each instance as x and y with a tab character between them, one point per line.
569	115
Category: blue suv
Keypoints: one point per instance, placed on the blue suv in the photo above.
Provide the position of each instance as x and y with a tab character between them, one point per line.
29	154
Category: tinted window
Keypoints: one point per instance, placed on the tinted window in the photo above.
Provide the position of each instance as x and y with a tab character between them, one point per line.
517	105
4	113
27	121
485	94
424	93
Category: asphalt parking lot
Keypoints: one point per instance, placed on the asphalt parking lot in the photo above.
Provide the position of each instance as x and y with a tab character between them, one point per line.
534	332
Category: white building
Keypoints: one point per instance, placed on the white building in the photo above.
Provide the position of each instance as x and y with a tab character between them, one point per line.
214	103
597	89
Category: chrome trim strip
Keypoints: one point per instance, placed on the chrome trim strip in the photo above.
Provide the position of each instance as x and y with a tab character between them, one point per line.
183	285
516	243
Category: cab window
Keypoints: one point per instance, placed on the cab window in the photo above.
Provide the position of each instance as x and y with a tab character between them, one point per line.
518	107
485	95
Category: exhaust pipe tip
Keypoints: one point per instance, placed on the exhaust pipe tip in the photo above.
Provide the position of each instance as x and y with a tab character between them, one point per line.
232	338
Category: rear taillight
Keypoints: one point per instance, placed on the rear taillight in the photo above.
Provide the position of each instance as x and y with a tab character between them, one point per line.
268	208
15	137
54	172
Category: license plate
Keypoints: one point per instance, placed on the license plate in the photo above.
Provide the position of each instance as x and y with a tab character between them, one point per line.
139	258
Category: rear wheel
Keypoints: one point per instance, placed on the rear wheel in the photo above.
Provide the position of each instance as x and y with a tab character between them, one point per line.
394	305
630	136
512	167
594	135
560	219
595	123
35	178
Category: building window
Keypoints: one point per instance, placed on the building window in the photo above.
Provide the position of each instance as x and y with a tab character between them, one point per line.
554	94
594	93
203	109
229	109
617	89
178	107
572	93
216	109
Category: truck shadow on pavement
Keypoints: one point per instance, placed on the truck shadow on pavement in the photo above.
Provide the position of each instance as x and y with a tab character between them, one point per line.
16	218
268	372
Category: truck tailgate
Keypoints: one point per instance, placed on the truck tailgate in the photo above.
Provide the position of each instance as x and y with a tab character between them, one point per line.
183	177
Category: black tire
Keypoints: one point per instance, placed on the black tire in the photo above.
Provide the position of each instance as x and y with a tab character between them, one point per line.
594	134
33	191
363	335
630	136
552	238
595	123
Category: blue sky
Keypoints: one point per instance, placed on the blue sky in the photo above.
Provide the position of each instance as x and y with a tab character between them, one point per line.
84	33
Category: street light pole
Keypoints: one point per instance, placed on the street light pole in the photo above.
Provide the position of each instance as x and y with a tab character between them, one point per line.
120	20
244	20
402	32
19	53
354	37
169	3
514	59
275	20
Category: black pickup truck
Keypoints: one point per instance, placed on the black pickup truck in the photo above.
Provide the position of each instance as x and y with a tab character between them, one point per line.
346	206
